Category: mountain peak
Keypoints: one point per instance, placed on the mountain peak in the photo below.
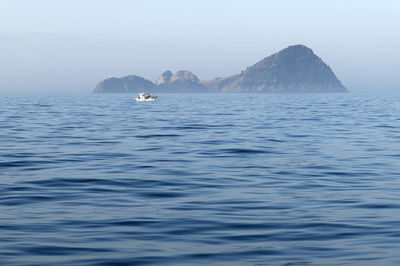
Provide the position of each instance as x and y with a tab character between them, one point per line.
296	50
298	47
293	69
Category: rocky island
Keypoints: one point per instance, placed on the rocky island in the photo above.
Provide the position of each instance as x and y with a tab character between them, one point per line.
295	69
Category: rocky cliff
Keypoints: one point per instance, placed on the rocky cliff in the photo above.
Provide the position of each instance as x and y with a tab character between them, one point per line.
294	69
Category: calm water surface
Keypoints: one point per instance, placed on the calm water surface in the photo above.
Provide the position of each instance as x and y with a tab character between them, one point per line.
200	179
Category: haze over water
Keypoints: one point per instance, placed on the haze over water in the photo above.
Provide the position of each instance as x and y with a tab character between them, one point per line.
232	179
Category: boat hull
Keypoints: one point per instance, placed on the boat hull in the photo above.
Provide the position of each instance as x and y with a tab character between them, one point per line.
145	100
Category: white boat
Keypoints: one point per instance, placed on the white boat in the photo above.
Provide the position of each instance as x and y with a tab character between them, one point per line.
146	97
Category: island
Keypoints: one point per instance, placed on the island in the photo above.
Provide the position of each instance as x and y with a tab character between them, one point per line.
295	69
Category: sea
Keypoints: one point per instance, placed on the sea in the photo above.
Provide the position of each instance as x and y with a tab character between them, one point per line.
200	179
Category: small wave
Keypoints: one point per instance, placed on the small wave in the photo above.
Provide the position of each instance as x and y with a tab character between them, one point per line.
56	250
42	105
149	136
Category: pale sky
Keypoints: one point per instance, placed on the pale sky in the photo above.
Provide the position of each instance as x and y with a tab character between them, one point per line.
70	45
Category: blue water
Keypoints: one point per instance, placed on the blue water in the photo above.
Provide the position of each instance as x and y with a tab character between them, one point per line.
200	179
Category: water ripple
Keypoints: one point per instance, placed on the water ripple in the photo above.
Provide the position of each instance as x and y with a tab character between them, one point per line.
205	180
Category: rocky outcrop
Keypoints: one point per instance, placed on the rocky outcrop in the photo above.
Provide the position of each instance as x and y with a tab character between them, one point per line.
128	84
294	69
164	79
181	81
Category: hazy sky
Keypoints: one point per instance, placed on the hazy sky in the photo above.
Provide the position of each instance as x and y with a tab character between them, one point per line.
70	45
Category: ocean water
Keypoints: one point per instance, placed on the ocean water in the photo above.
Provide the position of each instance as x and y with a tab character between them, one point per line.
200	179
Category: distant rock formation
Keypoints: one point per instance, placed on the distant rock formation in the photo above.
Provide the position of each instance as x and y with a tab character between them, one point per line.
181	81
131	83
292	70
164	79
